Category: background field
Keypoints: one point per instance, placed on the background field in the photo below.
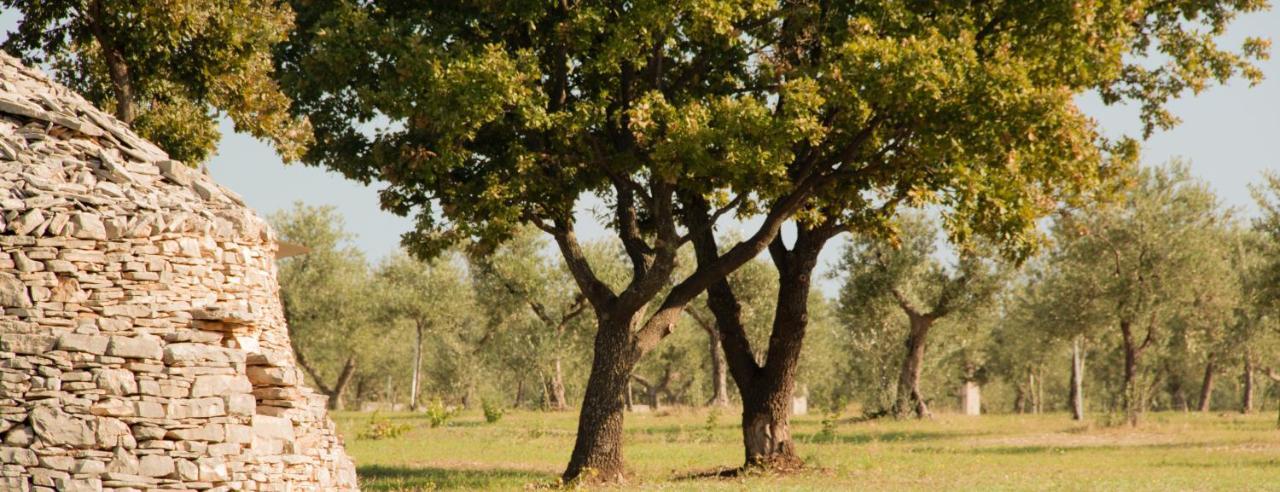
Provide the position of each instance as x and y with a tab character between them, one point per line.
1170	451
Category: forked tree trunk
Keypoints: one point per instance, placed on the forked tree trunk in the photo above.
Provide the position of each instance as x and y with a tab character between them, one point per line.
909	398
1206	386
417	369
1077	381
1246	397
333	392
767	390
597	451
340	387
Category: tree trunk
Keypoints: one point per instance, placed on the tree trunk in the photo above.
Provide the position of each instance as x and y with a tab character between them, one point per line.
767	390
1033	389
1246	403
555	389
971	398
1077	381
417	368
719	371
1132	394
519	392
597	451
348	370
1206	387
909	397
117	69
1019	399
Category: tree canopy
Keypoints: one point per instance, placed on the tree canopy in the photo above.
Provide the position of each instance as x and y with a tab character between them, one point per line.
170	68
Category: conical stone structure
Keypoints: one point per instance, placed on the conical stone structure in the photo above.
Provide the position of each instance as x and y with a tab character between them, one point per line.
142	341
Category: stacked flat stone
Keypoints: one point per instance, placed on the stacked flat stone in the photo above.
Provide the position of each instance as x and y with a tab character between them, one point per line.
142	341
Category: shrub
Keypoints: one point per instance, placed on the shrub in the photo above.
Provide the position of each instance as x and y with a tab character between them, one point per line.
709	427
492	411
438	414
382	429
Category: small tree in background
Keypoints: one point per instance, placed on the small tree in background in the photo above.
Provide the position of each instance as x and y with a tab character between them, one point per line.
325	297
432	298
1145	258
906	272
535	314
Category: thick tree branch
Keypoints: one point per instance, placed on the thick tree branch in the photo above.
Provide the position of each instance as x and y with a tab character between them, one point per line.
595	290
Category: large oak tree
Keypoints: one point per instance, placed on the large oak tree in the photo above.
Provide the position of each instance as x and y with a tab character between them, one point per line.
968	105
484	116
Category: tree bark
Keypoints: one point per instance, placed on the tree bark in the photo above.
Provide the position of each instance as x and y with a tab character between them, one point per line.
555	389
1077	381
417	368
909	398
597	451
1246	398
767	390
1206	386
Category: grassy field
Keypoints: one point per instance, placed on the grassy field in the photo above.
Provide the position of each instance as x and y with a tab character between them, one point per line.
999	452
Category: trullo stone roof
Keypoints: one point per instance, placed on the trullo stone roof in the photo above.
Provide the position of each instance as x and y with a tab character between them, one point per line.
142	341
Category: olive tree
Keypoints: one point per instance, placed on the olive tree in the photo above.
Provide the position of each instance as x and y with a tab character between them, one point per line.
906	272
1144	257
326	298
431	297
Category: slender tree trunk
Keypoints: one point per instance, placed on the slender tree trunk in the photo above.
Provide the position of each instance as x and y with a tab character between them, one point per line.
1246	399
1034	389
1077	381
909	398
597	451
117	69
519	392
555	388
1132	393
1019	399
340	387
1206	386
417	368
719	371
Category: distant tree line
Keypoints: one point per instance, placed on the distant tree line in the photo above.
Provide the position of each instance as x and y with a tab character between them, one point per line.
1154	297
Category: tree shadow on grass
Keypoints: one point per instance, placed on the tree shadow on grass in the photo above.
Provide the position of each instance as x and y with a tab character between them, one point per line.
414	478
865	437
1062	449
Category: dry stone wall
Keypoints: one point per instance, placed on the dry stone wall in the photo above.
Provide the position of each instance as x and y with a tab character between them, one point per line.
142	342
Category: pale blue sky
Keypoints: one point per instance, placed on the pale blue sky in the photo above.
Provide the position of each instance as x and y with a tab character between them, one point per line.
1229	134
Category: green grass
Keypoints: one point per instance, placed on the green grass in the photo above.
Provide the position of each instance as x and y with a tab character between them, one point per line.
998	452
